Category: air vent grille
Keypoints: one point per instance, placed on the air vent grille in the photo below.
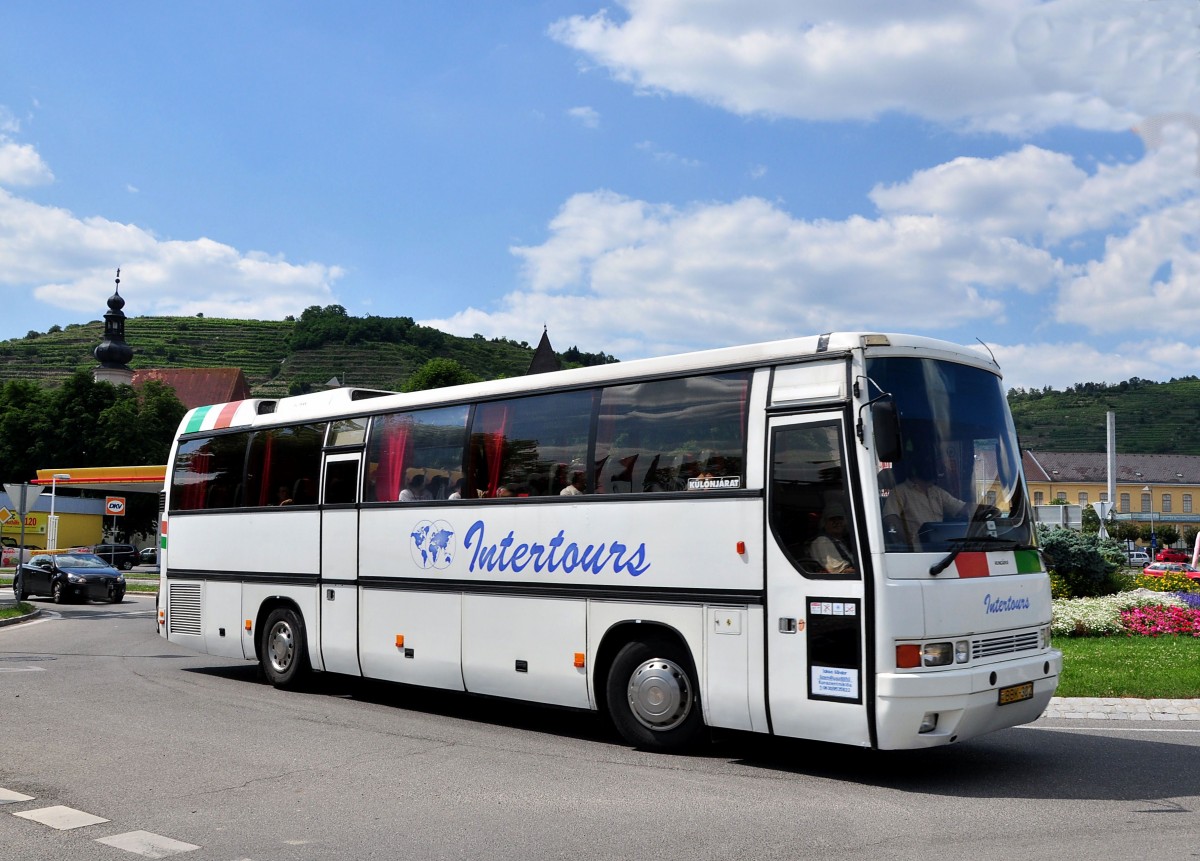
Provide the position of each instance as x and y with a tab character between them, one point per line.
184	616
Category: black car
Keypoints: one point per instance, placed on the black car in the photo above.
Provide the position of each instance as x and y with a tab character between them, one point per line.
123	556
70	576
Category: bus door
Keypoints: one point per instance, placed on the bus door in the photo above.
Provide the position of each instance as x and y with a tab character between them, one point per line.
339	562
816	684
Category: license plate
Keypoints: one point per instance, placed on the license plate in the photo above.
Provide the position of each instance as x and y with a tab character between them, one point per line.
1016	693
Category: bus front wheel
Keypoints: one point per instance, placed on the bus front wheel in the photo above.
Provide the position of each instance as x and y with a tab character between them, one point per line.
283	655
652	696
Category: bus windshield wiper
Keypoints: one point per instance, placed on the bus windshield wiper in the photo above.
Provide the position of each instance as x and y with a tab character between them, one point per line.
975	542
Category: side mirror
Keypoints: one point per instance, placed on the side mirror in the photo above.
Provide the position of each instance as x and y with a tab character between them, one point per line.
885	428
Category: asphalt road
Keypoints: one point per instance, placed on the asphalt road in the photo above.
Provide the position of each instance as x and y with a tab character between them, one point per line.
175	750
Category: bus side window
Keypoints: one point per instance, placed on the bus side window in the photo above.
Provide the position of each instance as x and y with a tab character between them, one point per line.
523	446
670	435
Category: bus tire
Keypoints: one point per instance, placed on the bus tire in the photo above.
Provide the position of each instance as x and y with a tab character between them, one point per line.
652	696
284	656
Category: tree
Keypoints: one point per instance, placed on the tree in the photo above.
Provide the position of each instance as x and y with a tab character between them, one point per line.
1168	534
436	374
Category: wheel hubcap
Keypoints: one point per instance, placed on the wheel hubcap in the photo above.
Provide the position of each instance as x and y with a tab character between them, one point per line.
281	646
660	695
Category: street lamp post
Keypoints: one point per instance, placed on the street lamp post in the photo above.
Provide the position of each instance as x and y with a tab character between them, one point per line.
1153	536
52	527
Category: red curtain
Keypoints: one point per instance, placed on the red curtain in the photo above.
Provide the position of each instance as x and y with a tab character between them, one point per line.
492	422
194	493
393	454
264	487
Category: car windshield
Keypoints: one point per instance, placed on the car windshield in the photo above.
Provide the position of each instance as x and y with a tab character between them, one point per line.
957	482
81	560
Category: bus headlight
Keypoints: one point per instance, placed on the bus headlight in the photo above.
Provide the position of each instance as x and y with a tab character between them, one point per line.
1046	637
962	651
937	654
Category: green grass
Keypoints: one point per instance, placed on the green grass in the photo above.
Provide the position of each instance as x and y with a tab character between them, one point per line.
19	610
1144	667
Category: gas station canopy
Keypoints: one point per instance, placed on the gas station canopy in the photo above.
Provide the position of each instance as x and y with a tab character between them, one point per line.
109	479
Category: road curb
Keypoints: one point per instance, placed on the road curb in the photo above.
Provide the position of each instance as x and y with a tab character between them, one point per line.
37	611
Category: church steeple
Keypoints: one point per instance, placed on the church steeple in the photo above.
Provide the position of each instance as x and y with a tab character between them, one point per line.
113	353
544	359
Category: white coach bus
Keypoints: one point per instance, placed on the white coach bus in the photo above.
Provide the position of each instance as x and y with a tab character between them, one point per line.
825	538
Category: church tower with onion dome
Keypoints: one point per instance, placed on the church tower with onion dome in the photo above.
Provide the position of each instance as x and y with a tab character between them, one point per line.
113	353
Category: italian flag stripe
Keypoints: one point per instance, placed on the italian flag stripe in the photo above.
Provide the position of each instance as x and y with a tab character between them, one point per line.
225	418
1028	561
997	562
197	419
972	564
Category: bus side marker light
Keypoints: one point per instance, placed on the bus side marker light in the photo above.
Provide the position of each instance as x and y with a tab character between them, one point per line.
908	655
741	548
579	659
399	641
247	624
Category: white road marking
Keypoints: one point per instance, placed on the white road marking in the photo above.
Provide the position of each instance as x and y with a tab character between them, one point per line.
146	844
1176	728
60	817
7	796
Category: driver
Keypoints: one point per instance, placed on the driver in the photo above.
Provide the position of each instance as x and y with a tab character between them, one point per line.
918	499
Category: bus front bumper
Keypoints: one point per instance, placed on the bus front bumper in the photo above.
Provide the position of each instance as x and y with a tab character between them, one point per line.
964	703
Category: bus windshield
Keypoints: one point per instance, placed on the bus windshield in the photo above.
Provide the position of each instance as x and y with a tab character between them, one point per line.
957	483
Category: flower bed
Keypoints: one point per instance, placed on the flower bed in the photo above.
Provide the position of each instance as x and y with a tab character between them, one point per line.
1159	621
1082	617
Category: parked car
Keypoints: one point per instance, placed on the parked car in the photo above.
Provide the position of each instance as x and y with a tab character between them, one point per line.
123	556
1138	557
1170	554
1158	569
148	556
69	576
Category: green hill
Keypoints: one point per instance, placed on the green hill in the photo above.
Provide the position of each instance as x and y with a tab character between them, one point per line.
1152	418
368	352
278	356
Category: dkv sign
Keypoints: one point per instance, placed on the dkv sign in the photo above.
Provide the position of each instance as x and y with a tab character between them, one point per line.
114	505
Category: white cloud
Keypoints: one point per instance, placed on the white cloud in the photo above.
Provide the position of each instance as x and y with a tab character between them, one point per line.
585	116
647	279
1007	65
20	165
1148	278
666	156
68	262
1033	365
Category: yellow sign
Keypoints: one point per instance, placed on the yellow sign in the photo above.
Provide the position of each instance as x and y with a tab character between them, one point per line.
5	514
35	524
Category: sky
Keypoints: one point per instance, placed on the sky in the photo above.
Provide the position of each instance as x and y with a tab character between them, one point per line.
641	178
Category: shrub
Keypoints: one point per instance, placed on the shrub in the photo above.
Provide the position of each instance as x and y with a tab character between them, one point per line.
1082	561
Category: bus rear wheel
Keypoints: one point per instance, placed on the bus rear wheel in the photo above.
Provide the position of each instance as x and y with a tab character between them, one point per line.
652	697
283	655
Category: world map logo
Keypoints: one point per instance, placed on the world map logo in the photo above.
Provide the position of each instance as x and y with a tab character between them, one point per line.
432	544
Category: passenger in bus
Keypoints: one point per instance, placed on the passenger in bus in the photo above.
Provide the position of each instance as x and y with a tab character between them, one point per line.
577	485
415	492
917	500
458	489
282	497
829	549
